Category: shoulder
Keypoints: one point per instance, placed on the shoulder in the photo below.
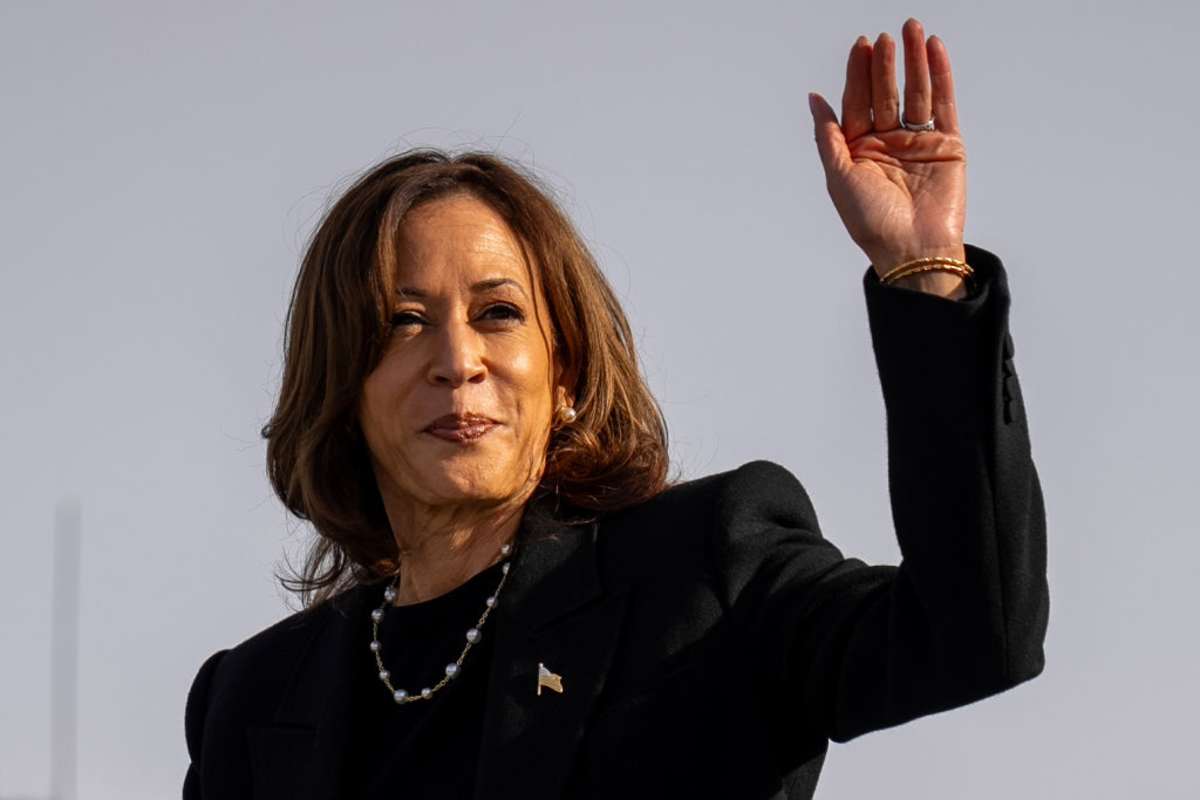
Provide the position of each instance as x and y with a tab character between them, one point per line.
278	644
249	678
703	523
762	489
687	555
756	489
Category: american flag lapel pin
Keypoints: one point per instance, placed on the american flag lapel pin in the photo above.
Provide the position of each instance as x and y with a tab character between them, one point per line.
548	679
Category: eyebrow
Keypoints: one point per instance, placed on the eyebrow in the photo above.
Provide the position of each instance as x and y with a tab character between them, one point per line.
479	286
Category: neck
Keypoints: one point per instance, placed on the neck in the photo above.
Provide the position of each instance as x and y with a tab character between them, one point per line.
443	547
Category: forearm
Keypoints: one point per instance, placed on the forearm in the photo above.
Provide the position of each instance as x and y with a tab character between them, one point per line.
967	614
957	433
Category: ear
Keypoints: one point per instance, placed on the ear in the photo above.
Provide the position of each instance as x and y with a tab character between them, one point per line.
562	391
562	397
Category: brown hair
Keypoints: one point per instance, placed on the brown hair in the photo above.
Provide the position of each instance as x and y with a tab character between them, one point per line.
613	455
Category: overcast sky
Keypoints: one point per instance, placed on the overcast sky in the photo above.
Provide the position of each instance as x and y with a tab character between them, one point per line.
164	162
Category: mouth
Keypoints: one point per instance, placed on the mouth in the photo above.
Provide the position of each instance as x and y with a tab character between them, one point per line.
461	428
463	435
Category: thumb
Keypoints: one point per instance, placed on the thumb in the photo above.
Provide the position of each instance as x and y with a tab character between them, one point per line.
831	142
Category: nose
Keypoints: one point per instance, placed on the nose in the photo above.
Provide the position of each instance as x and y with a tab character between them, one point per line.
458	356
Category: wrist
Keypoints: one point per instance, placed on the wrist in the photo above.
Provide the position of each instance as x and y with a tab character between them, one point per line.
943	283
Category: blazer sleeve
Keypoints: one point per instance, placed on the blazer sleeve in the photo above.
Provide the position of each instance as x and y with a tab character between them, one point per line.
840	647
194	718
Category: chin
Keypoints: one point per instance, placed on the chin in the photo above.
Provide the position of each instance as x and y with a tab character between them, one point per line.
460	479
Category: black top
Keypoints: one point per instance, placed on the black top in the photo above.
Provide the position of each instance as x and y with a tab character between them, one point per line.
403	750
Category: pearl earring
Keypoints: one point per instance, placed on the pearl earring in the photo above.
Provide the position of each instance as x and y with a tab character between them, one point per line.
567	414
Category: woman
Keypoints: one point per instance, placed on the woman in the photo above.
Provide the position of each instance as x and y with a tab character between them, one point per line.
508	598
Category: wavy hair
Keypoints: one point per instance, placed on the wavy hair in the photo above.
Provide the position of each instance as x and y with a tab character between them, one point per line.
613	455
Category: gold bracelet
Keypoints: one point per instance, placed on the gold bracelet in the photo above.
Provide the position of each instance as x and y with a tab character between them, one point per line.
928	264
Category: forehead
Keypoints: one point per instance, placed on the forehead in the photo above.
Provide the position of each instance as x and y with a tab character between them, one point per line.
457	239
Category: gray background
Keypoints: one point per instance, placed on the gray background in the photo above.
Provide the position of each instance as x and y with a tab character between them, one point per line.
162	164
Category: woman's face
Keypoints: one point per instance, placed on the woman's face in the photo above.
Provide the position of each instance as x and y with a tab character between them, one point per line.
466	339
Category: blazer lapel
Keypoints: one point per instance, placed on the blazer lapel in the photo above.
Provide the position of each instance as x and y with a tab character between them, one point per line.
554	612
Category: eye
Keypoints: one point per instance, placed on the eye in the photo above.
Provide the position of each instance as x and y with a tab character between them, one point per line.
405	318
511	312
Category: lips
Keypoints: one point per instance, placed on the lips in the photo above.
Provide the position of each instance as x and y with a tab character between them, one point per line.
461	427
459	421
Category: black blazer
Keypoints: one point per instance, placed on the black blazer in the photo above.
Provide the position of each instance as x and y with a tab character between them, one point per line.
710	641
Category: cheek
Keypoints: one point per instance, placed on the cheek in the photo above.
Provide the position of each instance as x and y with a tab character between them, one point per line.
528	374
526	370
384	395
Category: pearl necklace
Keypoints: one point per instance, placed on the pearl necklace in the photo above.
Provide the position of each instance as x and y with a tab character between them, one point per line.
454	668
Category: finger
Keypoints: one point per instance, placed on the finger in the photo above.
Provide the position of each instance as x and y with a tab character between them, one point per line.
917	93
856	97
885	96
831	141
945	108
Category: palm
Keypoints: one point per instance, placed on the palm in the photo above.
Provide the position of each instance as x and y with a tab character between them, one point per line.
900	193
903	185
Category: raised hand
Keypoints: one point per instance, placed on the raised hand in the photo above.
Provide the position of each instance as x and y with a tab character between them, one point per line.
901	193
